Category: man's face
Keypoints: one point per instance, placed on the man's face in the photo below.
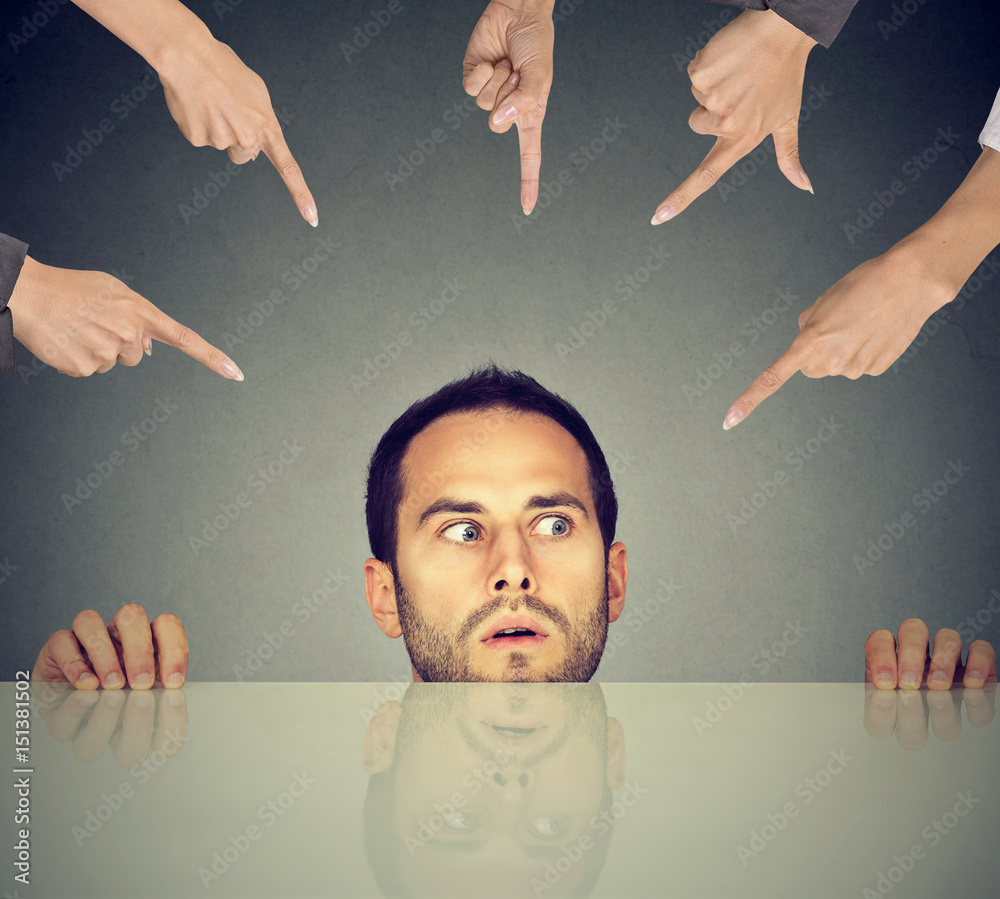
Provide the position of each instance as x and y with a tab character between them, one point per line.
501	570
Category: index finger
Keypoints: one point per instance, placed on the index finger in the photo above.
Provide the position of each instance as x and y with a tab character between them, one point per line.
766	383
531	163
166	330
277	151
720	159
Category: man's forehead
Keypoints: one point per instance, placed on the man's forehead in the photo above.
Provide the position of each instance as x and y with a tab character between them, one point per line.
520	452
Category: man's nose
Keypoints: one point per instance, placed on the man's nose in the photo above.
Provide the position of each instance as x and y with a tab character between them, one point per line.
511	568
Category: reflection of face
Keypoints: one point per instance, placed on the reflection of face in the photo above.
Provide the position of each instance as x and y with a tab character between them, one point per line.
495	784
501	537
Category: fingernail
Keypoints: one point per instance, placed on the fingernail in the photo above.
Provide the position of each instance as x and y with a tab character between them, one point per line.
149	348
230	370
88	682
663	214
114	680
174	680
514	79
909	681
973	676
885	680
805	178
140	681
504	114
937	677
734	417
311	215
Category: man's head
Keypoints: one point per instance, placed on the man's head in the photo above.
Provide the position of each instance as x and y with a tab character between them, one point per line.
490	509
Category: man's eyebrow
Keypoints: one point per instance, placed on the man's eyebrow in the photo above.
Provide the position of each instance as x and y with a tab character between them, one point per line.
452	506
556	499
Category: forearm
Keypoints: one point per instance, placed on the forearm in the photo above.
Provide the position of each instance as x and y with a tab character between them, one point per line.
952	244
155	29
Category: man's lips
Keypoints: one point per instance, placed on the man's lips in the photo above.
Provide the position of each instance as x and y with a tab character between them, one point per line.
492	636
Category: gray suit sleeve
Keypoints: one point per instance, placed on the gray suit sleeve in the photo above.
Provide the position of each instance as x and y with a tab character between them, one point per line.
820	19
12	253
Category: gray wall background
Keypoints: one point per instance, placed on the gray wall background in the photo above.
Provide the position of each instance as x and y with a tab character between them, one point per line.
525	286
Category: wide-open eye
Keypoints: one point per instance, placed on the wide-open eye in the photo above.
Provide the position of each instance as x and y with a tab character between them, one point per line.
460	822
463	532
548	828
554	526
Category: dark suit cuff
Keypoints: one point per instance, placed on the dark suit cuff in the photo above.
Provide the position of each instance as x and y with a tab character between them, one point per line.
12	253
820	19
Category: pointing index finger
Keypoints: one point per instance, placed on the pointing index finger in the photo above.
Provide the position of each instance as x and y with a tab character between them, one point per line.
277	151
722	157
766	383
162	327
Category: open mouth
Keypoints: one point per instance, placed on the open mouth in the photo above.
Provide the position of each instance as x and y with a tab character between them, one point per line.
514	638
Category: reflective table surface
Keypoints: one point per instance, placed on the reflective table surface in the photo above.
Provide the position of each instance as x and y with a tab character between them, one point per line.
616	790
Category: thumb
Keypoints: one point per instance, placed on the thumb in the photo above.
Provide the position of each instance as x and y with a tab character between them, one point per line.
533	79
786	149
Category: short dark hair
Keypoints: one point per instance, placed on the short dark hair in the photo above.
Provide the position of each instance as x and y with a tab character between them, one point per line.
483	389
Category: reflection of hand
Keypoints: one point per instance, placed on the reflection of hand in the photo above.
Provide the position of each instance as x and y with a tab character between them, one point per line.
85	322
145	651
860	326
905	713
748	80
217	101
906	661
508	67
131	724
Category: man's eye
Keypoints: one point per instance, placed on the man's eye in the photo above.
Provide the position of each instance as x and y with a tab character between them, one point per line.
548	828
463	532
460	822
554	526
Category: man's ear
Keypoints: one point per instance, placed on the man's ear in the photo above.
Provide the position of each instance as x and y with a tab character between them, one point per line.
617	576
380	737
615	772
380	591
